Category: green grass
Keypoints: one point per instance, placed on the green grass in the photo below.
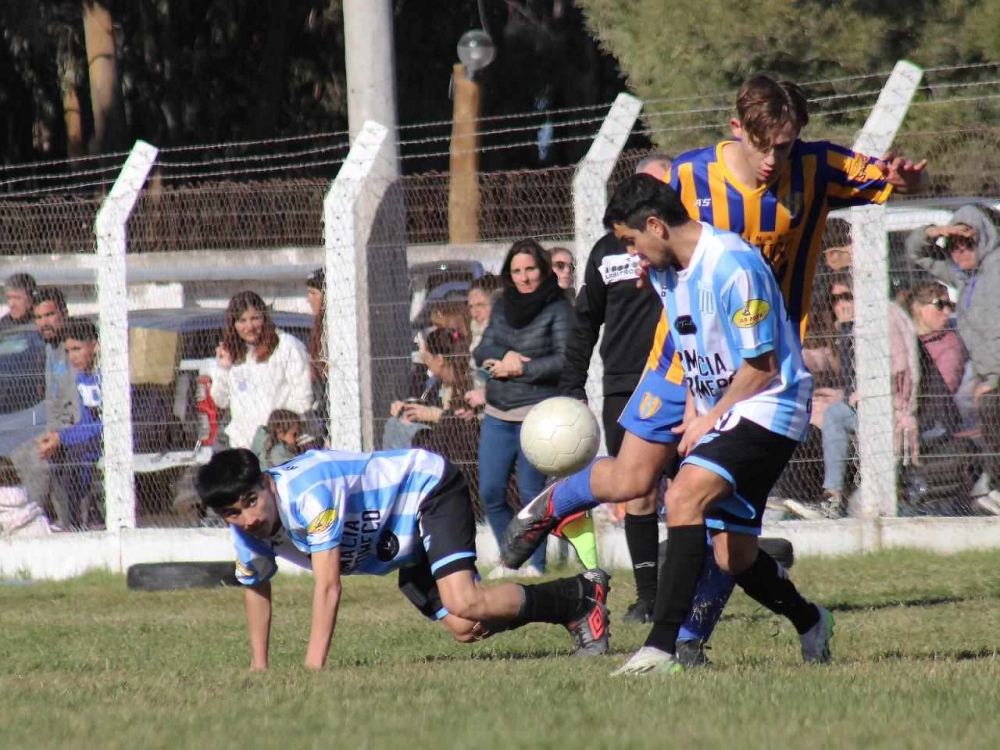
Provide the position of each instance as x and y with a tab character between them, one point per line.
87	663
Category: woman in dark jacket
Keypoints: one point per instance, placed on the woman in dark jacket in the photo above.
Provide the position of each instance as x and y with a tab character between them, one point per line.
523	349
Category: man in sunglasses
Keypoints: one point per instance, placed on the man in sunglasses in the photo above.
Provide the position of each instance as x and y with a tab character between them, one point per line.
971	264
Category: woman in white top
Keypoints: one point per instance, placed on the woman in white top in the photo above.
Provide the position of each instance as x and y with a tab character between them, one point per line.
257	369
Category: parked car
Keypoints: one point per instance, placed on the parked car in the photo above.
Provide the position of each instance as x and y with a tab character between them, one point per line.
442	281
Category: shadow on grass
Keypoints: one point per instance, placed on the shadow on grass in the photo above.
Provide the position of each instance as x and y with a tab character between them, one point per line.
761	613
955	655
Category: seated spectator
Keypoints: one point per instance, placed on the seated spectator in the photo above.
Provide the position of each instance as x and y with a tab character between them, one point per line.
942	359
75	450
970	262
281	439
257	369
20	291
445	354
839	419
454	315
62	405
19	515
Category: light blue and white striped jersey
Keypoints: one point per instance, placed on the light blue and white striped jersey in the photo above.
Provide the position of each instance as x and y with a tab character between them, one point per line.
723	308
364	503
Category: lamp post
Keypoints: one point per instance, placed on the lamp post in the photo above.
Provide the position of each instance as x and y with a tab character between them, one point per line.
475	52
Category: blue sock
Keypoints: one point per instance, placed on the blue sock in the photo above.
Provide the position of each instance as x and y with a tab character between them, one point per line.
714	589
573	493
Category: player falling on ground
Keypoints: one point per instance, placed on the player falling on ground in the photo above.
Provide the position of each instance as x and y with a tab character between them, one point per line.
749	394
776	191
372	513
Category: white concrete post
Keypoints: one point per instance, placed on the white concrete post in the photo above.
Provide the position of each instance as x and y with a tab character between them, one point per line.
347	227
112	302
590	199
871	293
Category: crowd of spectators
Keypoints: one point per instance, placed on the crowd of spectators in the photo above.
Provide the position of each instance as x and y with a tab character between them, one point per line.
483	362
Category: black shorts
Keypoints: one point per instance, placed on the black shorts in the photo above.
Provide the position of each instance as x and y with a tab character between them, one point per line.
751	459
614	433
448	532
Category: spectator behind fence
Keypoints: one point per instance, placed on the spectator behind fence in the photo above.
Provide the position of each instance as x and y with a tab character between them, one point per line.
257	369
280	440
19	291
443	395
62	405
453	426
942	358
837	413
970	262
565	269
454	315
19	515
523	349
318	354
75	450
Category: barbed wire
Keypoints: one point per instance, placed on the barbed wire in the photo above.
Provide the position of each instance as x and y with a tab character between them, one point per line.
254	157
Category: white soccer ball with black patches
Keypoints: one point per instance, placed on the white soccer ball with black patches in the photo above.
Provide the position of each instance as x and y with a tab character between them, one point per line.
560	436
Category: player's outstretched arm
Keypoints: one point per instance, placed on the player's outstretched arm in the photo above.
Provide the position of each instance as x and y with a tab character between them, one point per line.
257	601
326	603
905	175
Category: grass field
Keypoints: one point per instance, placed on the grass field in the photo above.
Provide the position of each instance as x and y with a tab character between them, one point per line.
88	663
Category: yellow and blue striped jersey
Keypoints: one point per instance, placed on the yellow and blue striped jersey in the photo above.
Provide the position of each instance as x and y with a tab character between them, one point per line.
785	218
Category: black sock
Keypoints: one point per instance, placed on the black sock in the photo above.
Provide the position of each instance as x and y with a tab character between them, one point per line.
643	540
560	601
686	546
767	583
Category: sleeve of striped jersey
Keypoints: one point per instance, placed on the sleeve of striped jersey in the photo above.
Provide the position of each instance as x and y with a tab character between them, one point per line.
662	351
255	562
751	310
321	514
853	179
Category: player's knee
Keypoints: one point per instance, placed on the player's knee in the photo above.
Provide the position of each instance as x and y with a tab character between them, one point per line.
642	506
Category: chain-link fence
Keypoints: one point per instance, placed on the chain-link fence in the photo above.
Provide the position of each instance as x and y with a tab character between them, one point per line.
204	232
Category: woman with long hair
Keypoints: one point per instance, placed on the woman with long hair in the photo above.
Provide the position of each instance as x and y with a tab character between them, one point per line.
257	369
522	348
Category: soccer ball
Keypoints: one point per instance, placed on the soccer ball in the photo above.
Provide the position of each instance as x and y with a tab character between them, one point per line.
560	436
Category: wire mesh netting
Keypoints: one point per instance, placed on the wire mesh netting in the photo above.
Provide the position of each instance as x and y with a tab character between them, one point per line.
210	227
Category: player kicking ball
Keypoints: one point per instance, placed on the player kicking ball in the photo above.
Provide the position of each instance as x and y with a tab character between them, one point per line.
372	513
748	397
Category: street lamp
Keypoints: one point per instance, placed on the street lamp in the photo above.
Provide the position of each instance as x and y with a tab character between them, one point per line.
475	51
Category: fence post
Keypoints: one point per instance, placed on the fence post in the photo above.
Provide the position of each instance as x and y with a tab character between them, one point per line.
590	199
871	292
348	215
112	302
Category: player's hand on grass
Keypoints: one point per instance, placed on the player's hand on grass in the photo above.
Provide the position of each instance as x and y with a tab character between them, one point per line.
905	175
